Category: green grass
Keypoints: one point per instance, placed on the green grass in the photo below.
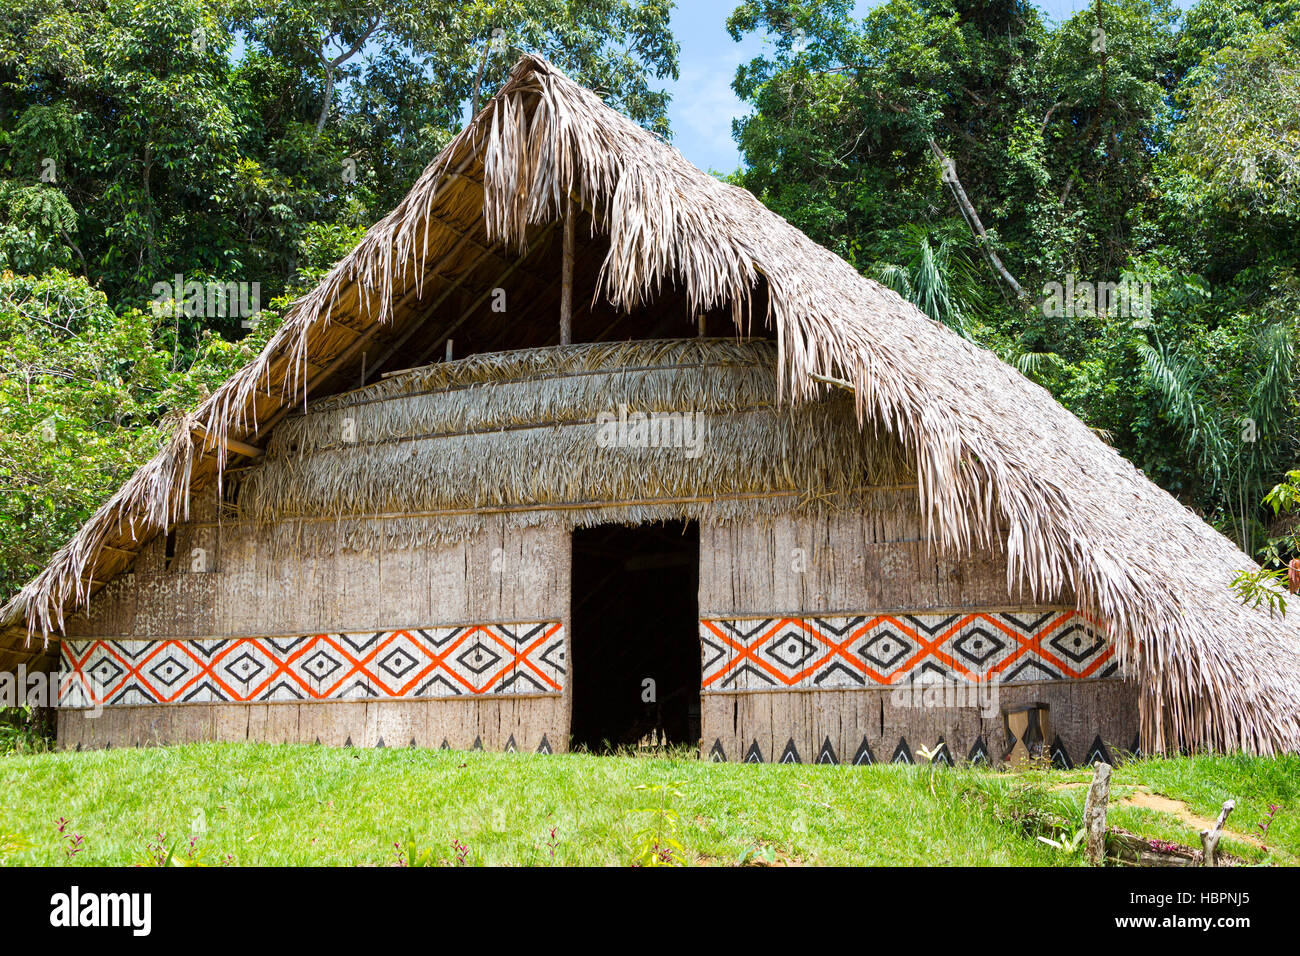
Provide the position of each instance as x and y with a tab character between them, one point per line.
284	805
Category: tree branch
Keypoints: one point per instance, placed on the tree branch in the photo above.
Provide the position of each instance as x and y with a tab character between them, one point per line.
973	219
478	79
334	64
1047	117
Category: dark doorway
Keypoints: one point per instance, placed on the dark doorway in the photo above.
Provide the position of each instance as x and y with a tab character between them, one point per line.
635	619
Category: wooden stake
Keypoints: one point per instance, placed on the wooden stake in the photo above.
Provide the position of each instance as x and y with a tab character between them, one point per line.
1210	838
566	278
1094	813
232	445
449	349
837	382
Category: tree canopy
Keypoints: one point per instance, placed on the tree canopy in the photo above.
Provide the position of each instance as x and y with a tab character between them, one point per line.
988	163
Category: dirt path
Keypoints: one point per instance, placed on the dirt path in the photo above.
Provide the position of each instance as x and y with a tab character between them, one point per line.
1148	800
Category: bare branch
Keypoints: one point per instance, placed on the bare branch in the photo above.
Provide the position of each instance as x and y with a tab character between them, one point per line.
332	65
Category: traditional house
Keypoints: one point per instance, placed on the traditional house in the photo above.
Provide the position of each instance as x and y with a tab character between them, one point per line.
581	445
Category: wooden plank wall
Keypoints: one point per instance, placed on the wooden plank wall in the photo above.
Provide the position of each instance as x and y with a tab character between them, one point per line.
491	722
1080	712
500	574
877	561
780	566
791	566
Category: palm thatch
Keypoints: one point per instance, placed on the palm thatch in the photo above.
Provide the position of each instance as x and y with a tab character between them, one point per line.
436	454
998	462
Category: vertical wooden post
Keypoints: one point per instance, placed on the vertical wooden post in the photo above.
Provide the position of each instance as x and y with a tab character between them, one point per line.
450	351
1210	838
566	278
1094	813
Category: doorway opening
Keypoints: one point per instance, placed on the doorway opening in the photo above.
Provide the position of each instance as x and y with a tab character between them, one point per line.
634	642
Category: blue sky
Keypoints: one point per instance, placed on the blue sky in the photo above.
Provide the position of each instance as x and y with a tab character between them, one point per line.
703	103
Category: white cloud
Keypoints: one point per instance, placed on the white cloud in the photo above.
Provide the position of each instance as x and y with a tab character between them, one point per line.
703	107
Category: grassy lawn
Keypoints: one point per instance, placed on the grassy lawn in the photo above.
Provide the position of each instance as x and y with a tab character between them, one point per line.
254	804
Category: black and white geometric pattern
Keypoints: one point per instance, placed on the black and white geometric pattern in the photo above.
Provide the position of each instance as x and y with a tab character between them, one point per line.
881	649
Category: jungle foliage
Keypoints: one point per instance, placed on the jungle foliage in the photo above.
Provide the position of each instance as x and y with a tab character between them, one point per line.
1133	144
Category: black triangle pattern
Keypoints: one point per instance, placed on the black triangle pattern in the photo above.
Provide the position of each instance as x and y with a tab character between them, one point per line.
1060	756
943	757
1097	752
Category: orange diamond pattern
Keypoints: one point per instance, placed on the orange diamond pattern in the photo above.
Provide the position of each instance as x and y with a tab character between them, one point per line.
420	662
881	649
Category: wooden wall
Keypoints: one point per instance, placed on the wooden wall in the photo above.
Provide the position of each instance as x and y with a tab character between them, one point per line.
843	562
528	724
244	592
1081	713
498	575
784	566
879	563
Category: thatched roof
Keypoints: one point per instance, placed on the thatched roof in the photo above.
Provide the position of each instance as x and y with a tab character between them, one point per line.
997	461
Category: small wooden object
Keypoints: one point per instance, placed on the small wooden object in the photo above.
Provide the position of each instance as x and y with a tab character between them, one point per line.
1210	838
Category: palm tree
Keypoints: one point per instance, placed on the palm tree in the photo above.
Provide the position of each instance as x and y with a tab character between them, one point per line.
937	278
1238	454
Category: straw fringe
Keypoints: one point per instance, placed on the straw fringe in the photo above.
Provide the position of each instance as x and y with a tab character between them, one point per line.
537	442
997	460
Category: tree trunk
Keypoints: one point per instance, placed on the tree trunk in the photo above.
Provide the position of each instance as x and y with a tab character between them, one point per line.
972	217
